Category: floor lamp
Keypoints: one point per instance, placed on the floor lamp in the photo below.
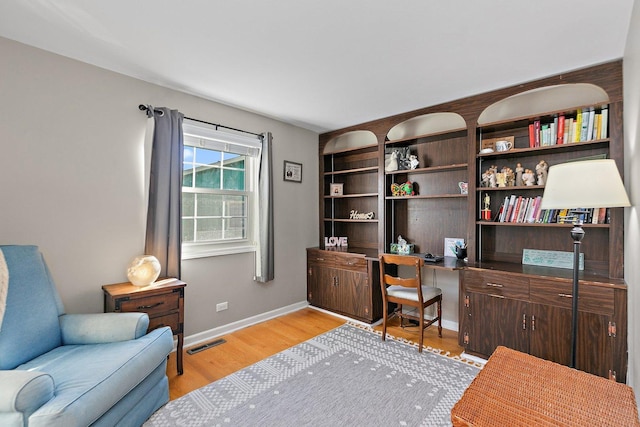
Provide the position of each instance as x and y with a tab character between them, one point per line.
582	185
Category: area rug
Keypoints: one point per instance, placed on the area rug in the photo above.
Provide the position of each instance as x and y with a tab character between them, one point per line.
345	377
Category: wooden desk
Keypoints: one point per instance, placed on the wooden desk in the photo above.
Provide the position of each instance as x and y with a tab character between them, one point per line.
517	389
162	301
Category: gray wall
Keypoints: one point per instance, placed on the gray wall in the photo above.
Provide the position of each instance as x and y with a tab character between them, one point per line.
73	148
631	70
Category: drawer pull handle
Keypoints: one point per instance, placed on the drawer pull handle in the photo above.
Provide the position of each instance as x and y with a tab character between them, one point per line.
565	295
319	259
496	296
146	307
495	285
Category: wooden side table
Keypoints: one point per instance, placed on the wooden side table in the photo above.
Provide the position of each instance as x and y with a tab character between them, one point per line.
162	301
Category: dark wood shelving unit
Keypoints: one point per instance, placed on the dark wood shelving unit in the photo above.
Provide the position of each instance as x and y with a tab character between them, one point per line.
498	294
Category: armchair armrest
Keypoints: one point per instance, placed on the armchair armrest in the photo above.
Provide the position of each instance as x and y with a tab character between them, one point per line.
24	391
102	327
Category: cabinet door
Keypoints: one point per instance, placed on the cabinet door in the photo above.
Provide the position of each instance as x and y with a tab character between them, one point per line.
318	291
495	321
551	338
353	294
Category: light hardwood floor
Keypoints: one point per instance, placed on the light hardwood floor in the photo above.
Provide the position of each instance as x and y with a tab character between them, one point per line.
254	343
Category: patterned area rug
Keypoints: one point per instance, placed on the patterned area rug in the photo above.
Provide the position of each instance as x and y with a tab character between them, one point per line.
347	376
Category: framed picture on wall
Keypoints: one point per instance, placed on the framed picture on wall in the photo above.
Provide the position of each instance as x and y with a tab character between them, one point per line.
292	171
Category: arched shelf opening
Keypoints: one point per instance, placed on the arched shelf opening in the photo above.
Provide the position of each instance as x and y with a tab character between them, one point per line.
427	124
351	141
542	100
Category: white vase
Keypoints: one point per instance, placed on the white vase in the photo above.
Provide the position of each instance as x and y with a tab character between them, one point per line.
143	270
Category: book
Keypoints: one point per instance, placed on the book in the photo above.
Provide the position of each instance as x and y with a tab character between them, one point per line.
560	134
505	206
577	126
516	209
589	136
605	121
536	133
594	216
512	201
532	138
523	209
602	216
584	126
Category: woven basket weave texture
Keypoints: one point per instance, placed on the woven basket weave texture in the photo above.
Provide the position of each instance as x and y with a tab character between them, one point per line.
517	389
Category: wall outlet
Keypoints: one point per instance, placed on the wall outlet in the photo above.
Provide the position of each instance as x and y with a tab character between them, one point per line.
222	306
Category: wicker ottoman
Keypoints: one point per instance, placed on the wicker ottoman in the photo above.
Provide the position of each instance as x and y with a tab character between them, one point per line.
516	389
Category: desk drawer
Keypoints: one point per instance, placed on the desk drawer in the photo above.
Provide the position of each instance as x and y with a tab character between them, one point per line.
152	305
497	284
592	299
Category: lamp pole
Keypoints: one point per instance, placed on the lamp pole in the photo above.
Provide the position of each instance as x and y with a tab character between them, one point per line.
577	233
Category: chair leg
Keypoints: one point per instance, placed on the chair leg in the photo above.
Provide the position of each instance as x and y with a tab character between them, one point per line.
385	315
440	317
421	320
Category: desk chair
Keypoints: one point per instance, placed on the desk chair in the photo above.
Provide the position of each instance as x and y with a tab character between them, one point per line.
407	291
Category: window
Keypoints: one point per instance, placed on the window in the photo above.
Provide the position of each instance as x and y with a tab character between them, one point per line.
219	182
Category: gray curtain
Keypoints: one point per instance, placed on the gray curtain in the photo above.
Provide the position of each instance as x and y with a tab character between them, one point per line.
164	216
264	254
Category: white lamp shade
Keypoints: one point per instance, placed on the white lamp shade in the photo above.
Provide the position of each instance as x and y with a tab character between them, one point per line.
143	270
584	184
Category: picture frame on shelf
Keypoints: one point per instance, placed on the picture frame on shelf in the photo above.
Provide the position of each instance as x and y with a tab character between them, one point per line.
336	189
292	171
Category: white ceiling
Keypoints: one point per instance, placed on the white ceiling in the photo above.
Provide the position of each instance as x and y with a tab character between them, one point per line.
326	64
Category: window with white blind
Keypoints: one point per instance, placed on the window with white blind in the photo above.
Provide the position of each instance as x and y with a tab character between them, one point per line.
219	184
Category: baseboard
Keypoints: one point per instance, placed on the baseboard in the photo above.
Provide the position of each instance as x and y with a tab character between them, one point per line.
446	324
473	358
212	334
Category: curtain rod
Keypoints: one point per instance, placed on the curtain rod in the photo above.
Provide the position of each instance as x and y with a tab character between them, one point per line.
143	107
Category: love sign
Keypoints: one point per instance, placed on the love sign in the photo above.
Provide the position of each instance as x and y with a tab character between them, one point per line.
330	242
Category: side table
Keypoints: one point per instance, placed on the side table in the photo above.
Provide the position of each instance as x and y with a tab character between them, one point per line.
163	301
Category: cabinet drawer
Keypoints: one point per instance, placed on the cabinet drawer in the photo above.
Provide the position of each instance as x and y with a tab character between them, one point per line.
355	263
320	257
171	320
345	261
152	305
496	284
592	299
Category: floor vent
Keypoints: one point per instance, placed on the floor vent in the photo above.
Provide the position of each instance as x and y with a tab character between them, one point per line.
203	347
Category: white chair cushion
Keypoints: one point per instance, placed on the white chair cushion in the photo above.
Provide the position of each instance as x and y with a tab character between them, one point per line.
412	293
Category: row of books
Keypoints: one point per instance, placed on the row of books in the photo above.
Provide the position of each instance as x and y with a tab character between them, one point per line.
520	209
587	125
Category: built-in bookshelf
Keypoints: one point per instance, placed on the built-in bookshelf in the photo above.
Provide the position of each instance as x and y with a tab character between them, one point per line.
518	132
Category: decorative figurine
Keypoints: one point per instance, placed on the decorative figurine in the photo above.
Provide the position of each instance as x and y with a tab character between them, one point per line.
486	210
413	161
529	178
519	172
486	175
541	172
404	189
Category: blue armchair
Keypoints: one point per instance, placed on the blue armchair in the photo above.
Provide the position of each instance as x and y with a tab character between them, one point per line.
60	369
